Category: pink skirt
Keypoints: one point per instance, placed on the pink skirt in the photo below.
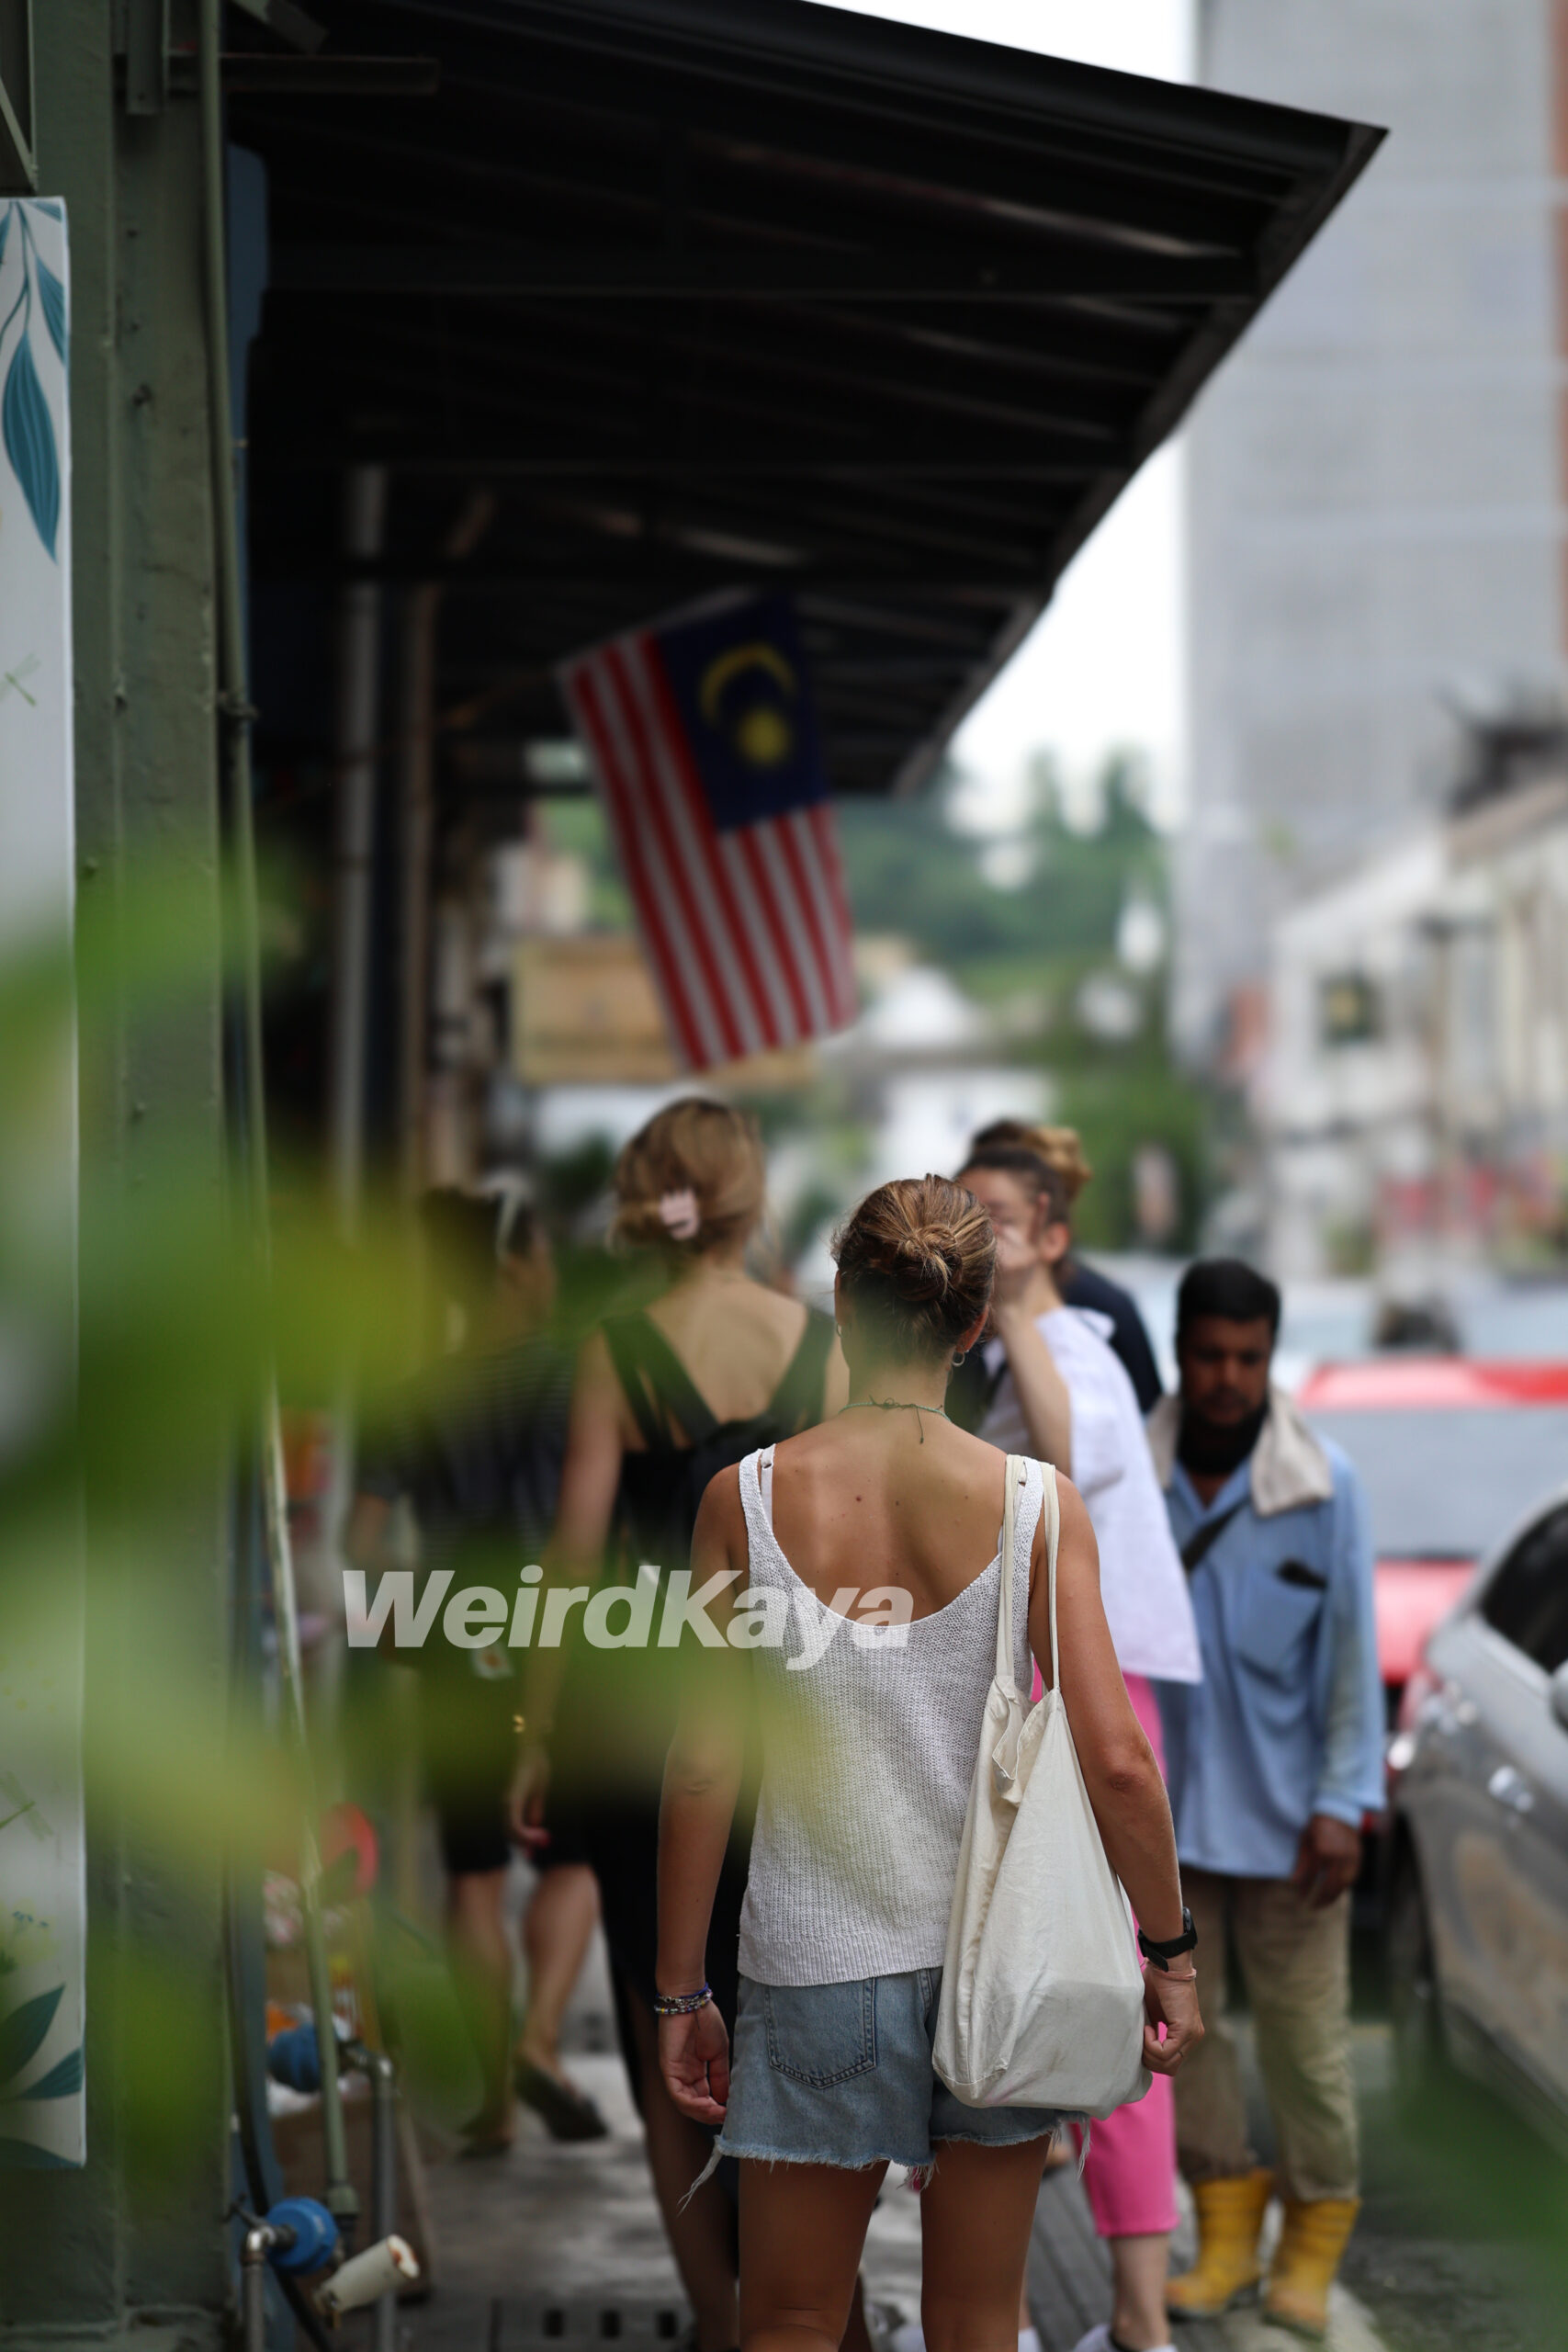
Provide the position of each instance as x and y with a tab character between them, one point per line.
1131	2171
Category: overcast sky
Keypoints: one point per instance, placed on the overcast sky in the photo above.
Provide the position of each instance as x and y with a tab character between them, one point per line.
1104	667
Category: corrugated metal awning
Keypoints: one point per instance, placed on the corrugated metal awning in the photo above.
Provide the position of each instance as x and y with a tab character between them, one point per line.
711	294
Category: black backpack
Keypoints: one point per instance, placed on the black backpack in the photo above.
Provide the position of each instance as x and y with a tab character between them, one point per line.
662	1489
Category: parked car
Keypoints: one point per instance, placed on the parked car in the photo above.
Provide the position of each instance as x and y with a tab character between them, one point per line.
1450	1450
1477	1922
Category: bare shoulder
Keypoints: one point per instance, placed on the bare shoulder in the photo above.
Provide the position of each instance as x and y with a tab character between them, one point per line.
1076	1548
788	1317
1072	1512
721	1515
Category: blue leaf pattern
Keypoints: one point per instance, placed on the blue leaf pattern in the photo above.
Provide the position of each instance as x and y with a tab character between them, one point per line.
27	432
52	294
63	2079
22	2033
6	228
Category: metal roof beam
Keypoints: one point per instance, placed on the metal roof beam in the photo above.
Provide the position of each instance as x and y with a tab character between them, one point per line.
926	270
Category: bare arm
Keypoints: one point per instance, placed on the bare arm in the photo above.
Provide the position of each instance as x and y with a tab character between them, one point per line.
1043	1395
1119	1768
702	1781
590	1475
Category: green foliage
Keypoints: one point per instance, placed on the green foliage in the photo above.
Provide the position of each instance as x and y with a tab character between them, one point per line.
909	871
1034	951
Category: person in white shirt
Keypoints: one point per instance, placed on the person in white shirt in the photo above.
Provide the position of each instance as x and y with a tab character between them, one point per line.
1057	1390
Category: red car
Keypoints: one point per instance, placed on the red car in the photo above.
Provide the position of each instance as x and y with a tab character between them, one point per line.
1452	1452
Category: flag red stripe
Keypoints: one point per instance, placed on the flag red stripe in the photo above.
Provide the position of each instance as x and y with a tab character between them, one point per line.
583	690
673	735
654	799
663	908
820	819
668	867
769	840
784	946
750	911
808	905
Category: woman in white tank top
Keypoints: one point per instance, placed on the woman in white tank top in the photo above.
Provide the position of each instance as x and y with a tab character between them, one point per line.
854	1578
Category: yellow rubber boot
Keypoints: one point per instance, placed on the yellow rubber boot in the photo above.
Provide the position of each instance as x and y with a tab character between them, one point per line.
1311	2244
1230	2220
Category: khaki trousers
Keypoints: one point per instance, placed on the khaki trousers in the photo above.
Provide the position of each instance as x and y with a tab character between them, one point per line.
1295	1963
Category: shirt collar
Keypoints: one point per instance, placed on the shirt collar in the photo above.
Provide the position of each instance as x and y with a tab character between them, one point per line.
1235	1490
1286	1469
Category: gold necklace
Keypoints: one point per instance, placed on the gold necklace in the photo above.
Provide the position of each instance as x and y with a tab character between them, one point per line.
895	1405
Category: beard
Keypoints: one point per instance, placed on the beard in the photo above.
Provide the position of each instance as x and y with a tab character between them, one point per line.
1213	1449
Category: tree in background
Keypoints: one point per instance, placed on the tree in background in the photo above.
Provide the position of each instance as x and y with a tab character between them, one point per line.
1064	931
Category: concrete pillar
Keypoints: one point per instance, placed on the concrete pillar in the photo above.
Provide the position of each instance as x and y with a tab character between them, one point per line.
132	2247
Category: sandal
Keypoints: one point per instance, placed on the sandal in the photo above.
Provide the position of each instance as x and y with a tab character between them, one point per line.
565	2114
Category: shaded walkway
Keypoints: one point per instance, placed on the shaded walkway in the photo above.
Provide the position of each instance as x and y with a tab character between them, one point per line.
553	2246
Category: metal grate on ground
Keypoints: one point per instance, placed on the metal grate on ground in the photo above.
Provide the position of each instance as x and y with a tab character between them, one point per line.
554	2324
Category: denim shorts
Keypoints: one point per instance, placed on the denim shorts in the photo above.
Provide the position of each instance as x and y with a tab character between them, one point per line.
842	2075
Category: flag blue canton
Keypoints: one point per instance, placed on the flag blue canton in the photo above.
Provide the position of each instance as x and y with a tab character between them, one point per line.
740	687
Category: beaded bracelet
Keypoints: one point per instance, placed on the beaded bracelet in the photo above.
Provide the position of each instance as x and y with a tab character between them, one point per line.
681	2005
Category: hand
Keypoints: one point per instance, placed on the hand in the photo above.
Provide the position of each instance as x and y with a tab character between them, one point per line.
1328	1861
1016	1262
525	1801
1172	2002
693	2058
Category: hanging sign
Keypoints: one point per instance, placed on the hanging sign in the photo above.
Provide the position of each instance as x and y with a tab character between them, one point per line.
42	1878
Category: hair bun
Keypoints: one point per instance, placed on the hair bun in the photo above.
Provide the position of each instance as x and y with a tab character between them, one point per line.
918	1256
691	1178
928	1261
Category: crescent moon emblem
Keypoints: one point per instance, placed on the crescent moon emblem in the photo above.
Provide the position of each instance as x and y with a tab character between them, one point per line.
719	674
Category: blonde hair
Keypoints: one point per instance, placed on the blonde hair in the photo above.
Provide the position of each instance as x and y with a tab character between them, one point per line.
917	1260
706	1150
1060	1148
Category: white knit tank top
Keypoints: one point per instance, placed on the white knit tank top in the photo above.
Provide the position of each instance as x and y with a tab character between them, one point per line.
867	1761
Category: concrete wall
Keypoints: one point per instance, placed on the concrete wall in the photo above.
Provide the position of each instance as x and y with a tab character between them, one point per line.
132	2247
1373	478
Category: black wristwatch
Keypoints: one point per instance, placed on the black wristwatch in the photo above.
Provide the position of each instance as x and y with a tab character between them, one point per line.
1161	1955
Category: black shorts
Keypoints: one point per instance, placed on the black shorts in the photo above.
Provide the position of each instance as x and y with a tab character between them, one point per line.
470	1753
475	1830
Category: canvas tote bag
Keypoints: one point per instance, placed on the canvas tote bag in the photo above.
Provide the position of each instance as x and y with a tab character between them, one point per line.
1041	1991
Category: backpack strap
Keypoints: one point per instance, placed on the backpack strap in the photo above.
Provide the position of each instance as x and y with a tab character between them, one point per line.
1202	1539
652	1375
797	1402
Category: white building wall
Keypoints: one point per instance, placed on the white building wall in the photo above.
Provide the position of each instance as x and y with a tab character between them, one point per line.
1372	482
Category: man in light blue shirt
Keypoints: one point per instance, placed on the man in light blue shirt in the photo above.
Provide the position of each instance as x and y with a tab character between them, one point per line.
1272	1760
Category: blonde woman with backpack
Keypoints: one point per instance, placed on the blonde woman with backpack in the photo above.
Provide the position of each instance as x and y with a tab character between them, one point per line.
716	1363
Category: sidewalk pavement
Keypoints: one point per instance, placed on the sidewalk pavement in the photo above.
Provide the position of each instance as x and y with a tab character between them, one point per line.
560	2247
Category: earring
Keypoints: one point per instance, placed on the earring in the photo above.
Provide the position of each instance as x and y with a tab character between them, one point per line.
962	1357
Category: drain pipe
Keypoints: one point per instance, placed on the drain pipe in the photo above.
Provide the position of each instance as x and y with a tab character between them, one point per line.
359	687
235	718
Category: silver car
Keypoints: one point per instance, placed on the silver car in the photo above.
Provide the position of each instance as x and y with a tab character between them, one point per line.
1478	1897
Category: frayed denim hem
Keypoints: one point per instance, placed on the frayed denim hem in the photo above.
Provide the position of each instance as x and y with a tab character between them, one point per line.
920	2169
721	2148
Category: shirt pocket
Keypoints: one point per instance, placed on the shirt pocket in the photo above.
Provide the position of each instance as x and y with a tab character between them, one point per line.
821	2034
1280	1607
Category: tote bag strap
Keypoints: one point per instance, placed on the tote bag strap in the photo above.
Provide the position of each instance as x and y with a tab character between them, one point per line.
1014	1476
1053	1518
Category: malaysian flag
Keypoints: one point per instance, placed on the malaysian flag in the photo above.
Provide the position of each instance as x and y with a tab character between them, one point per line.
702	735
